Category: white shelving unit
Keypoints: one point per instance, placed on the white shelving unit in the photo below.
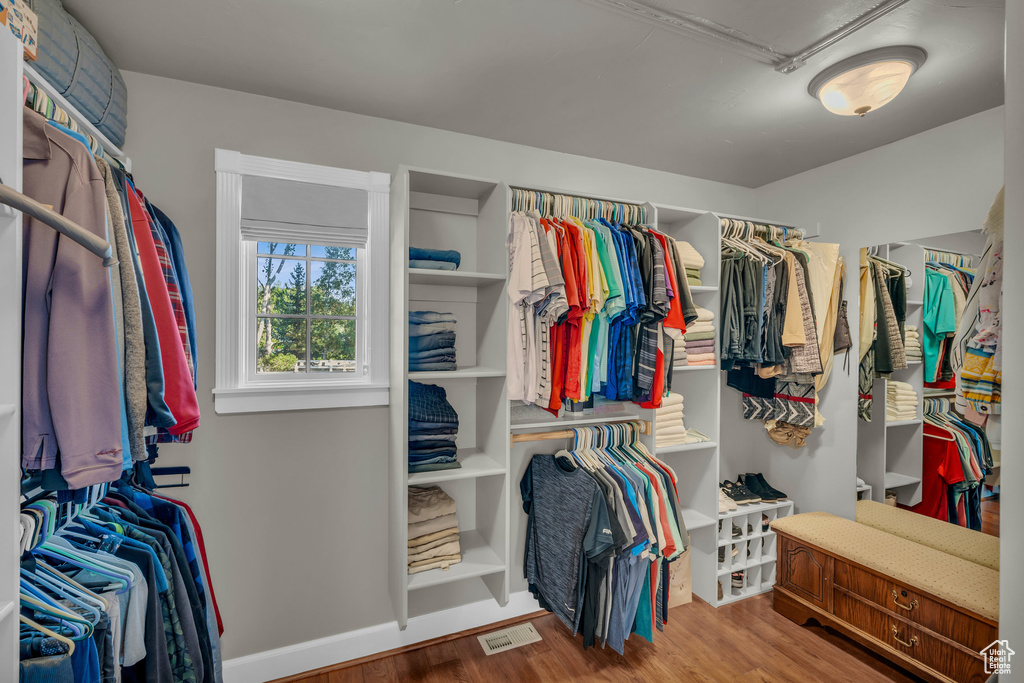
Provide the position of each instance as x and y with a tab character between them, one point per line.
10	351
755	548
445	211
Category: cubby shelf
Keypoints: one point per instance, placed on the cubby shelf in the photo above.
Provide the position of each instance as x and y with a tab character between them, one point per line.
478	559
453	278
475	463
750	563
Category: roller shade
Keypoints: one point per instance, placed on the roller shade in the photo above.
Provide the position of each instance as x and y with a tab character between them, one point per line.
303	213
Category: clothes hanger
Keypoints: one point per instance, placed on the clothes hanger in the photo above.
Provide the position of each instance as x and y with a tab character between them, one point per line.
42	629
68	593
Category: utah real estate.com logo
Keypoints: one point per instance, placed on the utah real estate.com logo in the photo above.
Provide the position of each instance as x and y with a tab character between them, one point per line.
997	657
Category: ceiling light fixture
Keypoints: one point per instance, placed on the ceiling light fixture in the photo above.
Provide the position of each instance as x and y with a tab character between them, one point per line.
867	81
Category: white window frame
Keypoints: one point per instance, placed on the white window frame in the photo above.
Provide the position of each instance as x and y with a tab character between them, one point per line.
239	388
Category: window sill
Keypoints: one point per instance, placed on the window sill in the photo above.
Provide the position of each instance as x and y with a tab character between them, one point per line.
258	399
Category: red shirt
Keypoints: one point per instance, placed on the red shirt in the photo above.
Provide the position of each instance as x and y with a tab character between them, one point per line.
942	467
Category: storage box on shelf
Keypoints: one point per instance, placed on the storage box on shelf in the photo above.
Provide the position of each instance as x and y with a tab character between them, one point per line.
438	210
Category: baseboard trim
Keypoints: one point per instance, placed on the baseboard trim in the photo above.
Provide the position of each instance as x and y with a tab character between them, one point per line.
373	640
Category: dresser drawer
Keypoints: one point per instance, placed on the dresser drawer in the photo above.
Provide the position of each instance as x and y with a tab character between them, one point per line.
909	640
908	603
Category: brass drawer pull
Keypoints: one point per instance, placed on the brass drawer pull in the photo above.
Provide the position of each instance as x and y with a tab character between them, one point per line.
896	601
896	637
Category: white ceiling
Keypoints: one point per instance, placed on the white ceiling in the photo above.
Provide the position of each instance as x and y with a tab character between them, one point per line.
570	76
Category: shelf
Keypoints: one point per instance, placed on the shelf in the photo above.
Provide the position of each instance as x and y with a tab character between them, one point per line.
895	480
755	507
695	520
475	464
461	373
693	368
703	289
7	609
478	559
7	409
915	303
903	423
680	448
569	420
865	487
453	278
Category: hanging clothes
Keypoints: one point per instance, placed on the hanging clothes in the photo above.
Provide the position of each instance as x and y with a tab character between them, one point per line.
604	522
883	309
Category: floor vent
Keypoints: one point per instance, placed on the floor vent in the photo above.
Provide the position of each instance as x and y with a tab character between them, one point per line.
509	638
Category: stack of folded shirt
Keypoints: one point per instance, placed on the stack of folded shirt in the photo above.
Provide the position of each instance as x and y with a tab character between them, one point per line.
431	341
900	401
913	344
433	426
433	530
692	261
434	259
700	339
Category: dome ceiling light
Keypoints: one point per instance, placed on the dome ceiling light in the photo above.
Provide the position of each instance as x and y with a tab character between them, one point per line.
867	81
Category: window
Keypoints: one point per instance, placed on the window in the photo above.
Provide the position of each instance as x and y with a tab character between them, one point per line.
302	293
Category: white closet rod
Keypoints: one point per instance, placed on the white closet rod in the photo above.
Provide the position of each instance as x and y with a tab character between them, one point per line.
27	205
85	124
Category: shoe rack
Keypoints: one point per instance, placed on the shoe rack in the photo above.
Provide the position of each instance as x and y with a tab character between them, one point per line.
747	545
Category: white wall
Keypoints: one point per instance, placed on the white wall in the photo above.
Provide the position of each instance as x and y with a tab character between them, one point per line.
293	505
934	183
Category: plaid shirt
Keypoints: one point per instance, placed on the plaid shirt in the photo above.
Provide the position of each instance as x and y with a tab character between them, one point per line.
429	403
171	278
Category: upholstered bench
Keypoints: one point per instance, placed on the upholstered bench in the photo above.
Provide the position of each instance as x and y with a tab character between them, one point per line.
949	538
924	609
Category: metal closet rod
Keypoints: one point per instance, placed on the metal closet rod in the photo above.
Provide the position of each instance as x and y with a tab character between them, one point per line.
645	428
31	207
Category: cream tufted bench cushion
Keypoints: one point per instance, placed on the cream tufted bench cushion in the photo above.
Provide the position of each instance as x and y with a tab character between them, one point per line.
955	540
962	583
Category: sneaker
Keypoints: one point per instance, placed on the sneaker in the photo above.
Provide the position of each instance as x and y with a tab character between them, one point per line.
779	495
739	493
754	486
754	496
737	580
725	503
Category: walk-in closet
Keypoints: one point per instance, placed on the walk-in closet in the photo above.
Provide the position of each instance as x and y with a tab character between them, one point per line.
544	340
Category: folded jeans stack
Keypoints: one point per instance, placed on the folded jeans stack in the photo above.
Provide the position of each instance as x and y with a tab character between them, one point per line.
433	426
699	339
900	401
434	259
431	341
692	261
433	530
913	344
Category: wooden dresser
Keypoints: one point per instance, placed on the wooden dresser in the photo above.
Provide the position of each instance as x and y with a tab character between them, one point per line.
925	634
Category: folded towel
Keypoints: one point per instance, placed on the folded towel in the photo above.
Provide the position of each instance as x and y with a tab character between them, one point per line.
428	502
698	357
694	281
672	399
668	411
703	345
690	257
697	336
693	272
700	362
704	315
431	526
899	385
670	430
699	327
418	254
432	265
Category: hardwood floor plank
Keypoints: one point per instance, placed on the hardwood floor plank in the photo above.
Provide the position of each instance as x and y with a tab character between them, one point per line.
353	674
380	671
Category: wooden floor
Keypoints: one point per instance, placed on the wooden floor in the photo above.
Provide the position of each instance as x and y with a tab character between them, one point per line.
745	642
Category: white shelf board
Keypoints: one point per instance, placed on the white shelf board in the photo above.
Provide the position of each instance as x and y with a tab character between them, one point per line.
7	609
478	559
755	507
680	448
895	480
749	537
865	487
750	564
903	423
695	520
571	420
748	592
693	368
475	463
7	409
453	278
460	373
703	289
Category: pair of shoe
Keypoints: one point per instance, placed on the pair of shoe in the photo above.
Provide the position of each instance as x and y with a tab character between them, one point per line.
721	553
739	493
725	503
737	580
756	484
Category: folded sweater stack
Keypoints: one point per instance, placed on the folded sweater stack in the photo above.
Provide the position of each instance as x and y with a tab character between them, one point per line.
900	402
699	340
433	530
913	344
692	261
